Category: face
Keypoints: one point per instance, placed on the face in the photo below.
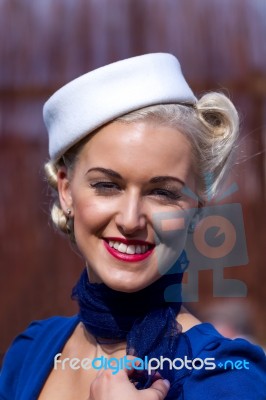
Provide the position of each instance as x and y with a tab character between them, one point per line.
125	194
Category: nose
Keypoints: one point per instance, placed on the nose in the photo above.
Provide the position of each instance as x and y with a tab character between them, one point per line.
131	216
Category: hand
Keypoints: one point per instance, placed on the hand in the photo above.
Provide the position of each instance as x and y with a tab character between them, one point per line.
107	386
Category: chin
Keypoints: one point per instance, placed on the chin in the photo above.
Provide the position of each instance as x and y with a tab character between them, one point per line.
129	285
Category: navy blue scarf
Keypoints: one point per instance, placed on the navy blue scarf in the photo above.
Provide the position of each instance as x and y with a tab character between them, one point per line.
144	319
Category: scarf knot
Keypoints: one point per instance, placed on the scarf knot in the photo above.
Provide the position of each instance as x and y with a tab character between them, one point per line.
144	319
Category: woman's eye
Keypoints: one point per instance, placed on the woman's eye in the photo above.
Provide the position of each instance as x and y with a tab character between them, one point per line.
105	187
166	194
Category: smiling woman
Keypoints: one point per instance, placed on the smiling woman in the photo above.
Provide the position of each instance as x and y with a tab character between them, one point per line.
113	204
129	143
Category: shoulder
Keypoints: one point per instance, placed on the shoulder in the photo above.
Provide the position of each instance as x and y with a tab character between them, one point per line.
36	329
204	338
25	348
227	369
186	319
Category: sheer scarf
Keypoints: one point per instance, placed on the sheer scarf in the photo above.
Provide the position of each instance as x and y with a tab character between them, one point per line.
144	319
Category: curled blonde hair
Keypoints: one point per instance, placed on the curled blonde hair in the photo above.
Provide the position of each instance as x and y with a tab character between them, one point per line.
60	219
212	127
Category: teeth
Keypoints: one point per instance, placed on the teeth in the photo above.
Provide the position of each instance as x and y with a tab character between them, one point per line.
138	249
131	249
122	248
128	249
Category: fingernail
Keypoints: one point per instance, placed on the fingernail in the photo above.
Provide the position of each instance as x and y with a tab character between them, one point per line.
167	383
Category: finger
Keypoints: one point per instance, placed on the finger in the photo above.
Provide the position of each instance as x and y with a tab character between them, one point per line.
160	387
132	367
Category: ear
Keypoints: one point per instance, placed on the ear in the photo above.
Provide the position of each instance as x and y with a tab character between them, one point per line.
64	190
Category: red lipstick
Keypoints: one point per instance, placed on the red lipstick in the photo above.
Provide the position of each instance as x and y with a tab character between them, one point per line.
128	257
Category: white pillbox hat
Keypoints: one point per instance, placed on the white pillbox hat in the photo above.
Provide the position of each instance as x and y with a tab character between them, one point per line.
106	93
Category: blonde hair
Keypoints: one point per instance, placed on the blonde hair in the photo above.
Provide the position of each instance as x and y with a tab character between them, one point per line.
212	127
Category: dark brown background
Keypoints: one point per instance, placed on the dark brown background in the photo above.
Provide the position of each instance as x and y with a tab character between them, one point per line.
43	44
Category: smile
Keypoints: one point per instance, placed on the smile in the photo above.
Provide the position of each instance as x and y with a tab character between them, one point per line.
128	250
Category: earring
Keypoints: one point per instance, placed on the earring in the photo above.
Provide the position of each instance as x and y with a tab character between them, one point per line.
191	227
68	212
195	220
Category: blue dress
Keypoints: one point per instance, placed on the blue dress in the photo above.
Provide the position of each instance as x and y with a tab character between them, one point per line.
240	371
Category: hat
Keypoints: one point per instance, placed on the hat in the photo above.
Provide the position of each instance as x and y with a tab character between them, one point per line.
98	97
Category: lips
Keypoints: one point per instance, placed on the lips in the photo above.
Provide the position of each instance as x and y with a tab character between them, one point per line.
128	250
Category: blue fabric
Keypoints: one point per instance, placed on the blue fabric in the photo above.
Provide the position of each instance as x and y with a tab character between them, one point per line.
143	318
110	314
30	359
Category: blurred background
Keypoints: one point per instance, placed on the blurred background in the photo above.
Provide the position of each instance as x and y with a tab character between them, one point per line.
45	43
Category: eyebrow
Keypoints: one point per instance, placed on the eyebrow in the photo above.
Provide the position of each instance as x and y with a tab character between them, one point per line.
105	171
162	179
155	179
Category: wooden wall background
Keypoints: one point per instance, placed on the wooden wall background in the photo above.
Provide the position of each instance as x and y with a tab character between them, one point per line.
44	44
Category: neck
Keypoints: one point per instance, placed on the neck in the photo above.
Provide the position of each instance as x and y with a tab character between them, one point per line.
118	311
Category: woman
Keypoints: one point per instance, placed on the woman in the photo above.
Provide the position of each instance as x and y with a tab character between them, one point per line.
128	143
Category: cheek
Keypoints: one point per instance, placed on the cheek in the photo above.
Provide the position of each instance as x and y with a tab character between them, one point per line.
169	249
171	229
91	215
